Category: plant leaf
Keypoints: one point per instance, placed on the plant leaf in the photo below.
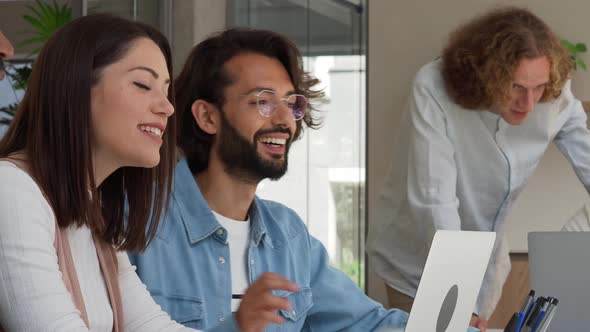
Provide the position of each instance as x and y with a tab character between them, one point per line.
581	63
45	18
581	47
571	48
566	43
34	40
37	25
35	11
43	7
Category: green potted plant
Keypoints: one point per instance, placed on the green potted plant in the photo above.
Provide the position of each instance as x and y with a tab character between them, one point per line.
44	18
575	49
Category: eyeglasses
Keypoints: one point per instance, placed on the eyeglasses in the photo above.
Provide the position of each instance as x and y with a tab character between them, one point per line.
267	103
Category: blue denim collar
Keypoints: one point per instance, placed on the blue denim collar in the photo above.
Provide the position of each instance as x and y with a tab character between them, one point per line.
198	219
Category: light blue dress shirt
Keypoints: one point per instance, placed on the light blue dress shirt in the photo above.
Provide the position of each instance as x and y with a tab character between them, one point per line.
187	269
460	169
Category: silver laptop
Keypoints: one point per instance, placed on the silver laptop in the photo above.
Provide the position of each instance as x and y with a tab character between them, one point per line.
451	281
559	265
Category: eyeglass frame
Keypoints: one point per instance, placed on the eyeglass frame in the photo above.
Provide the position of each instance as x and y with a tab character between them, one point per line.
275	106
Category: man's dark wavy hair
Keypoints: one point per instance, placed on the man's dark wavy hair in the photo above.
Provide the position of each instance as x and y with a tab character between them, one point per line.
204	77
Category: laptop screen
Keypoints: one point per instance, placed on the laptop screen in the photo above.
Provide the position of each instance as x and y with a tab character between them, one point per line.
559	265
451	281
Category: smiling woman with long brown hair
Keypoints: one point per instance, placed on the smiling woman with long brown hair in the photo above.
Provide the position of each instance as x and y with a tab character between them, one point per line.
95	128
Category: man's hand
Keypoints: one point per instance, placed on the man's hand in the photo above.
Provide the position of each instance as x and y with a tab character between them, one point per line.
259	306
481	324
6	52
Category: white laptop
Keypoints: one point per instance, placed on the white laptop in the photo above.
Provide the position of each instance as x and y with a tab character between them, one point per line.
451	280
559	265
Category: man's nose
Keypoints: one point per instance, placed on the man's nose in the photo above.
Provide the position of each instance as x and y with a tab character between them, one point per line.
528	101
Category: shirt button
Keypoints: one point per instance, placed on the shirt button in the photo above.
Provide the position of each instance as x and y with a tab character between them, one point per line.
221	319
294	313
252	262
221	260
219	231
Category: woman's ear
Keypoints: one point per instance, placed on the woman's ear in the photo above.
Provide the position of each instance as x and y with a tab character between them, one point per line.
206	116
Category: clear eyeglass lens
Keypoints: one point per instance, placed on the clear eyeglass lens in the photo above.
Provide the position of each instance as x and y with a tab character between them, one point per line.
268	102
298	105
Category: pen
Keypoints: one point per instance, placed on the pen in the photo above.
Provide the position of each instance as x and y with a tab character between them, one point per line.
530	311
520	322
514	323
527	301
544	324
537	322
534	314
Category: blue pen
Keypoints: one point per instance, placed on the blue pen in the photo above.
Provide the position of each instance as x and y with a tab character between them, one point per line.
520	321
527	306
538	321
527	302
517	321
542	314
514	323
532	317
539	305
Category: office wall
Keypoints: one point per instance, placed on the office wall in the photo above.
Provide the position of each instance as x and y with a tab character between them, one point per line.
193	21
403	35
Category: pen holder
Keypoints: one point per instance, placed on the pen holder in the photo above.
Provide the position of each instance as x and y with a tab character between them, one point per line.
534	316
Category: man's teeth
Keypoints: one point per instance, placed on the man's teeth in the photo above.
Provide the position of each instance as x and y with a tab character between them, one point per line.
153	130
275	141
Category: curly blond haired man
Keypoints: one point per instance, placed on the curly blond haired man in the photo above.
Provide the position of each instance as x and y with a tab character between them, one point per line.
476	125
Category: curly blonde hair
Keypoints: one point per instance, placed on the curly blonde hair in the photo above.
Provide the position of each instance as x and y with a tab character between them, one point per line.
482	55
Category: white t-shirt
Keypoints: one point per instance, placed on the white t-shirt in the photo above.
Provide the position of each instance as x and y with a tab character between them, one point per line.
33	296
238	238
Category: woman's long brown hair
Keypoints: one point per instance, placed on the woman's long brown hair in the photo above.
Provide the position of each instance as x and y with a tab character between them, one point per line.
53	129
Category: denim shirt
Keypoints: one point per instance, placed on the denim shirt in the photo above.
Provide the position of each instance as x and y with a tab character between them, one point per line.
187	269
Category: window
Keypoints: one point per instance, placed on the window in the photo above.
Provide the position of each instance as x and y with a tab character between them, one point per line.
11	89
145	11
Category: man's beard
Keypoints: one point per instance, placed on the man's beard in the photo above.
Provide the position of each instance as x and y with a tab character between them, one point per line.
241	158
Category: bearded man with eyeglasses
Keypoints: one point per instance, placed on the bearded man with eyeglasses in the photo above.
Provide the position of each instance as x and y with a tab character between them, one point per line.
243	99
